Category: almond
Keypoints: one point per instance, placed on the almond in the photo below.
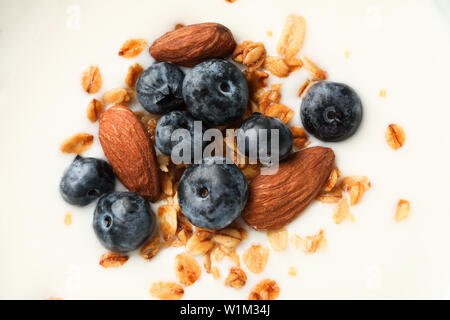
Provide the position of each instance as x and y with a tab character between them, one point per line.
130	151
193	44
275	200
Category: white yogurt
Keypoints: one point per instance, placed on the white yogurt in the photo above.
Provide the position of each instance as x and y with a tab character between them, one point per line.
400	46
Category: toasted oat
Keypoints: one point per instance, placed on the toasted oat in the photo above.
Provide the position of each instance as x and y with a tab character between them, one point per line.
395	136
234	257
116	96
280	111
187	269
315	71
294	64
255	258
226	241
151	248
269	33
167	217
256	80
68	219
150	125
332	180
163	162
347	54
342	212
293	35
91	81
167	290
217	254
403	208
332	196
178	26
216	272
94	109
250	54
300	137
236	278
277	66
278	239
77	143
133	74
356	186
207	262
251	171
303	87
131	48
292	271
196	247
265	290
110	260
166	184
310	244
383	93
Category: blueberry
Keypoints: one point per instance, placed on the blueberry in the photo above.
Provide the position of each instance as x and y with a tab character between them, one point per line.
172	121
212	194
252	136
123	221
159	88
85	180
331	111
216	92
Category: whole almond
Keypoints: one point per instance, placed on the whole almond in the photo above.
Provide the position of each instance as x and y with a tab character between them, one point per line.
190	45
275	200
130	151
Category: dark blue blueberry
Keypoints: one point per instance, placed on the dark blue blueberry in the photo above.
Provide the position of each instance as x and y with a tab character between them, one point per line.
172	121
212	194
123	221
159	88
252	143
85	180
331	111
216	92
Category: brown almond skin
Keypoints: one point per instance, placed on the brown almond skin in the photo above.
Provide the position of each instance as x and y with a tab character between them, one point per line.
276	200
193	44
130	151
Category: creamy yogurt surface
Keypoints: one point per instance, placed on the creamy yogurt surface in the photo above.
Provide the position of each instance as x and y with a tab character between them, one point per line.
399	46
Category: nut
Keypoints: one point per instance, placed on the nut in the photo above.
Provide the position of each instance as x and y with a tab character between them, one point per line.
193	44
167	290
187	269
131	48
77	143
291	40
125	141
275	200
265	290
255	258
403	208
110	260
395	136
236	278
91	81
